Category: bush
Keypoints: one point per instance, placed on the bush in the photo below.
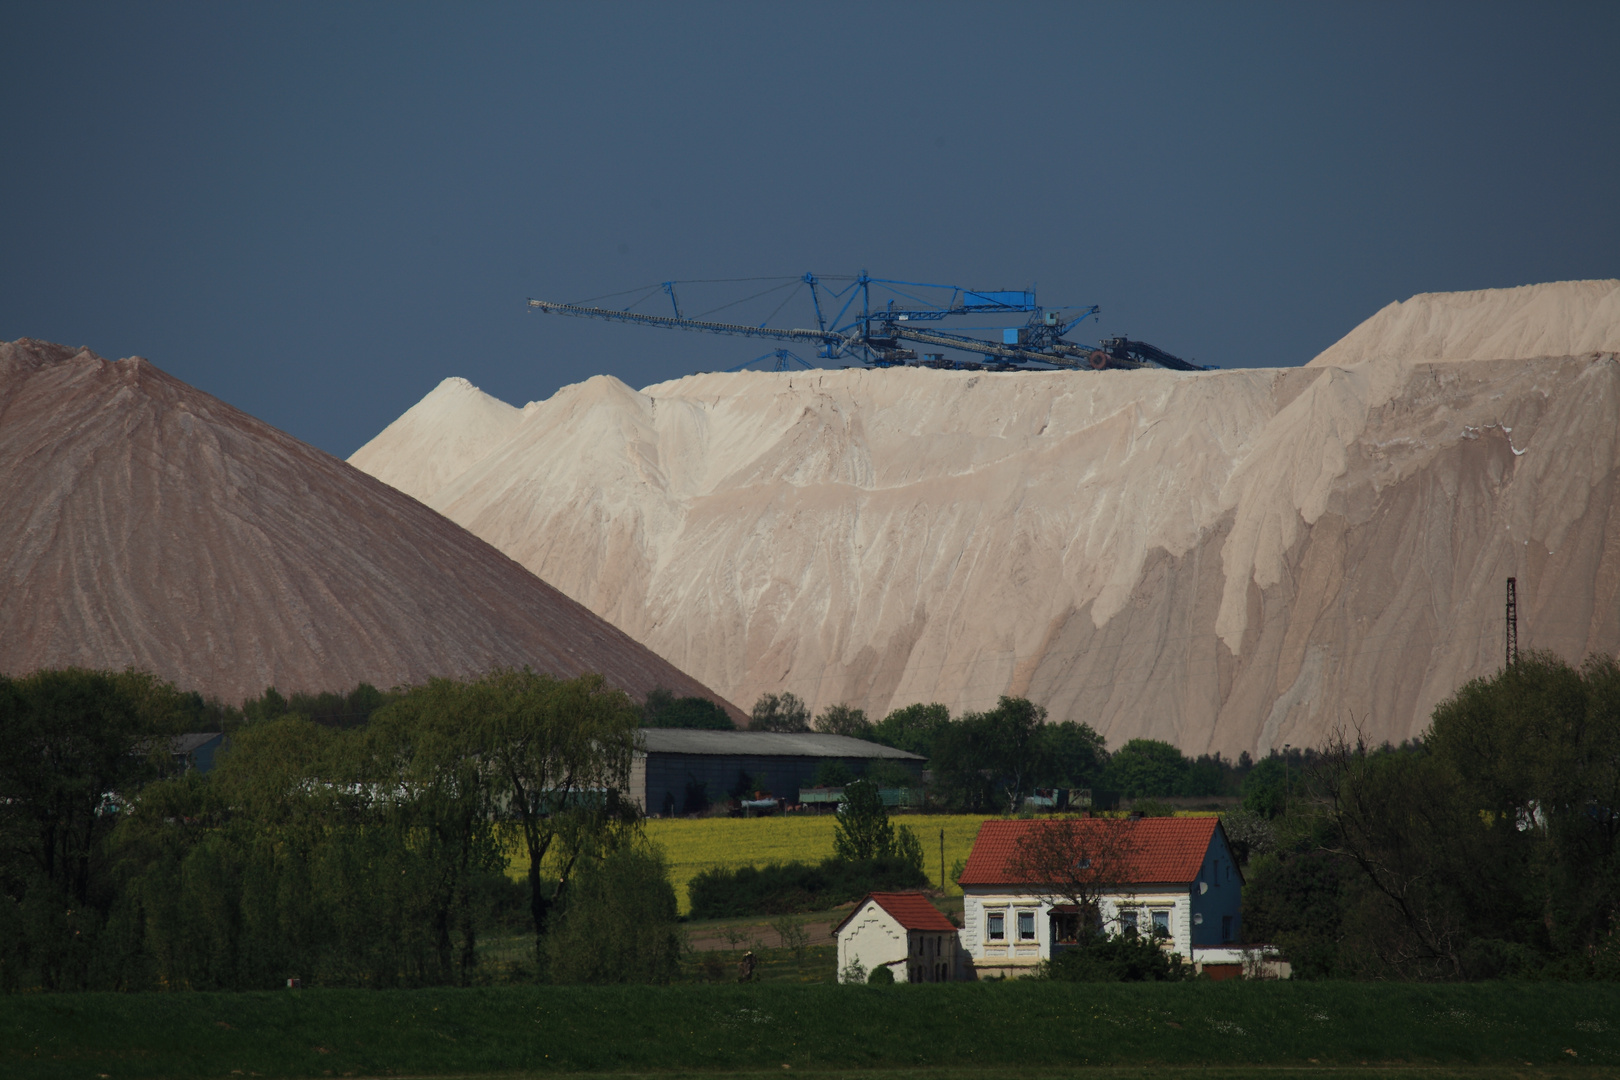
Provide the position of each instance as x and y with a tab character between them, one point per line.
664	710
843	720
785	713
787	888
620	924
833	773
1122	958
880	976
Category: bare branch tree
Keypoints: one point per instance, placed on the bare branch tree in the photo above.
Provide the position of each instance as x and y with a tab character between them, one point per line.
1076	861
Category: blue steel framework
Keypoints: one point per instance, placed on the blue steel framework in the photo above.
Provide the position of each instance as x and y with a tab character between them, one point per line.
882	337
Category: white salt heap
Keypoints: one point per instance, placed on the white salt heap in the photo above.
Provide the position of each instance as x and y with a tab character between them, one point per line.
1228	560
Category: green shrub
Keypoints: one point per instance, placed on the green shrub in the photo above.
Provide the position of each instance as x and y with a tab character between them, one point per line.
1122	958
785	888
619	925
880	976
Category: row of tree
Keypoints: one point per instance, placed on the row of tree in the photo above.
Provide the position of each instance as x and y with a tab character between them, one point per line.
1489	847
985	761
348	855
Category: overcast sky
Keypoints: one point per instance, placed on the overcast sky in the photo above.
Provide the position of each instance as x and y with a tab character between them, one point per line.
318	211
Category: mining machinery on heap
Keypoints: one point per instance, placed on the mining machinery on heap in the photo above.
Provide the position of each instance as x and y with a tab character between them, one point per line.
914	318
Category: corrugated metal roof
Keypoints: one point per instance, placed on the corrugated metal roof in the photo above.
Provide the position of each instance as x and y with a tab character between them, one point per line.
1162	851
911	910
765	744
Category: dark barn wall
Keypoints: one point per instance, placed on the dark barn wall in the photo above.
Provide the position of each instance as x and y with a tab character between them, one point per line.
660	779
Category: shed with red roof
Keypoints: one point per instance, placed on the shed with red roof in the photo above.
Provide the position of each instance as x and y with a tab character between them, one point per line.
1029	884
899	931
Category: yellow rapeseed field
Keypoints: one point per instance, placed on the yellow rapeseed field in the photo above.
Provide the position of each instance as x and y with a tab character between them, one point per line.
692	846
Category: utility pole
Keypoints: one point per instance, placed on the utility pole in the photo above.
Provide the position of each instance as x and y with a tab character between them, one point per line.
1512	622
1287	782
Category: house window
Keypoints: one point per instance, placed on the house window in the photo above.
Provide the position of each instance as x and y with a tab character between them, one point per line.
1026	926
1127	923
1226	929
997	926
1161	923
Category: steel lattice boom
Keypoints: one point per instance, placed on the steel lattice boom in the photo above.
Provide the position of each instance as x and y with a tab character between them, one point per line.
883	337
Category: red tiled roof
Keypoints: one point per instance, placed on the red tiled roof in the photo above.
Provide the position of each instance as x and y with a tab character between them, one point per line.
910	910
1159	850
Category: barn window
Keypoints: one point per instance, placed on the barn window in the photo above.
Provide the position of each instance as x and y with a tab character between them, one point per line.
997	926
1026	926
1226	928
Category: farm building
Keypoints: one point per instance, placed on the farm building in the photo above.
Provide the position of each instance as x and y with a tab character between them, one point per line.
902	932
1171	878
196	750
681	770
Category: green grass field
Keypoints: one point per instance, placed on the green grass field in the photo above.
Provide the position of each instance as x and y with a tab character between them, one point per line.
1023	1029
692	846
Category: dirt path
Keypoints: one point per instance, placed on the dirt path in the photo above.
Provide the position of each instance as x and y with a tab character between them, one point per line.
757	934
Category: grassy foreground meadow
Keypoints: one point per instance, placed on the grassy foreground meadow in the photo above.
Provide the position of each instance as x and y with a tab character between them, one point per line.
985	1029
695	845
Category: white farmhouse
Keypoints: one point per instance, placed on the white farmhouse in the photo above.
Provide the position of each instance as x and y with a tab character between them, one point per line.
902	932
1172	878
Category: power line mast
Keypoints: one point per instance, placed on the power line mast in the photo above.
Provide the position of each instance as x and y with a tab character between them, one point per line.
1512	622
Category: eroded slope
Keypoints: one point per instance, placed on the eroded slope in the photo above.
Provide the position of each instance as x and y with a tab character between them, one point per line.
1229	560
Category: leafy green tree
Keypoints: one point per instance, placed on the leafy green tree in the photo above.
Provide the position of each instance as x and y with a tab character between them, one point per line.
1492	847
843	720
864	833
1206	775
559	753
1298	904
832	773
914	728
907	848
327	707
78	746
991	758
620	923
1071	755
424	761
784	713
1265	788
1145	767
890	774
663	709
863	830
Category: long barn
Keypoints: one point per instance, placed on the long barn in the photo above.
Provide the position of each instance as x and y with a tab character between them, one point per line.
679	767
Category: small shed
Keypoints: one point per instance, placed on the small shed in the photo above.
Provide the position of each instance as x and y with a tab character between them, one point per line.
902	932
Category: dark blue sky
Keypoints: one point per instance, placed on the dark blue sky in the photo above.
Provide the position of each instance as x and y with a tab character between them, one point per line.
317	211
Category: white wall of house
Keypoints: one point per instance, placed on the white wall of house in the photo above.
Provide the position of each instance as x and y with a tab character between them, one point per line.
873	938
1016	955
